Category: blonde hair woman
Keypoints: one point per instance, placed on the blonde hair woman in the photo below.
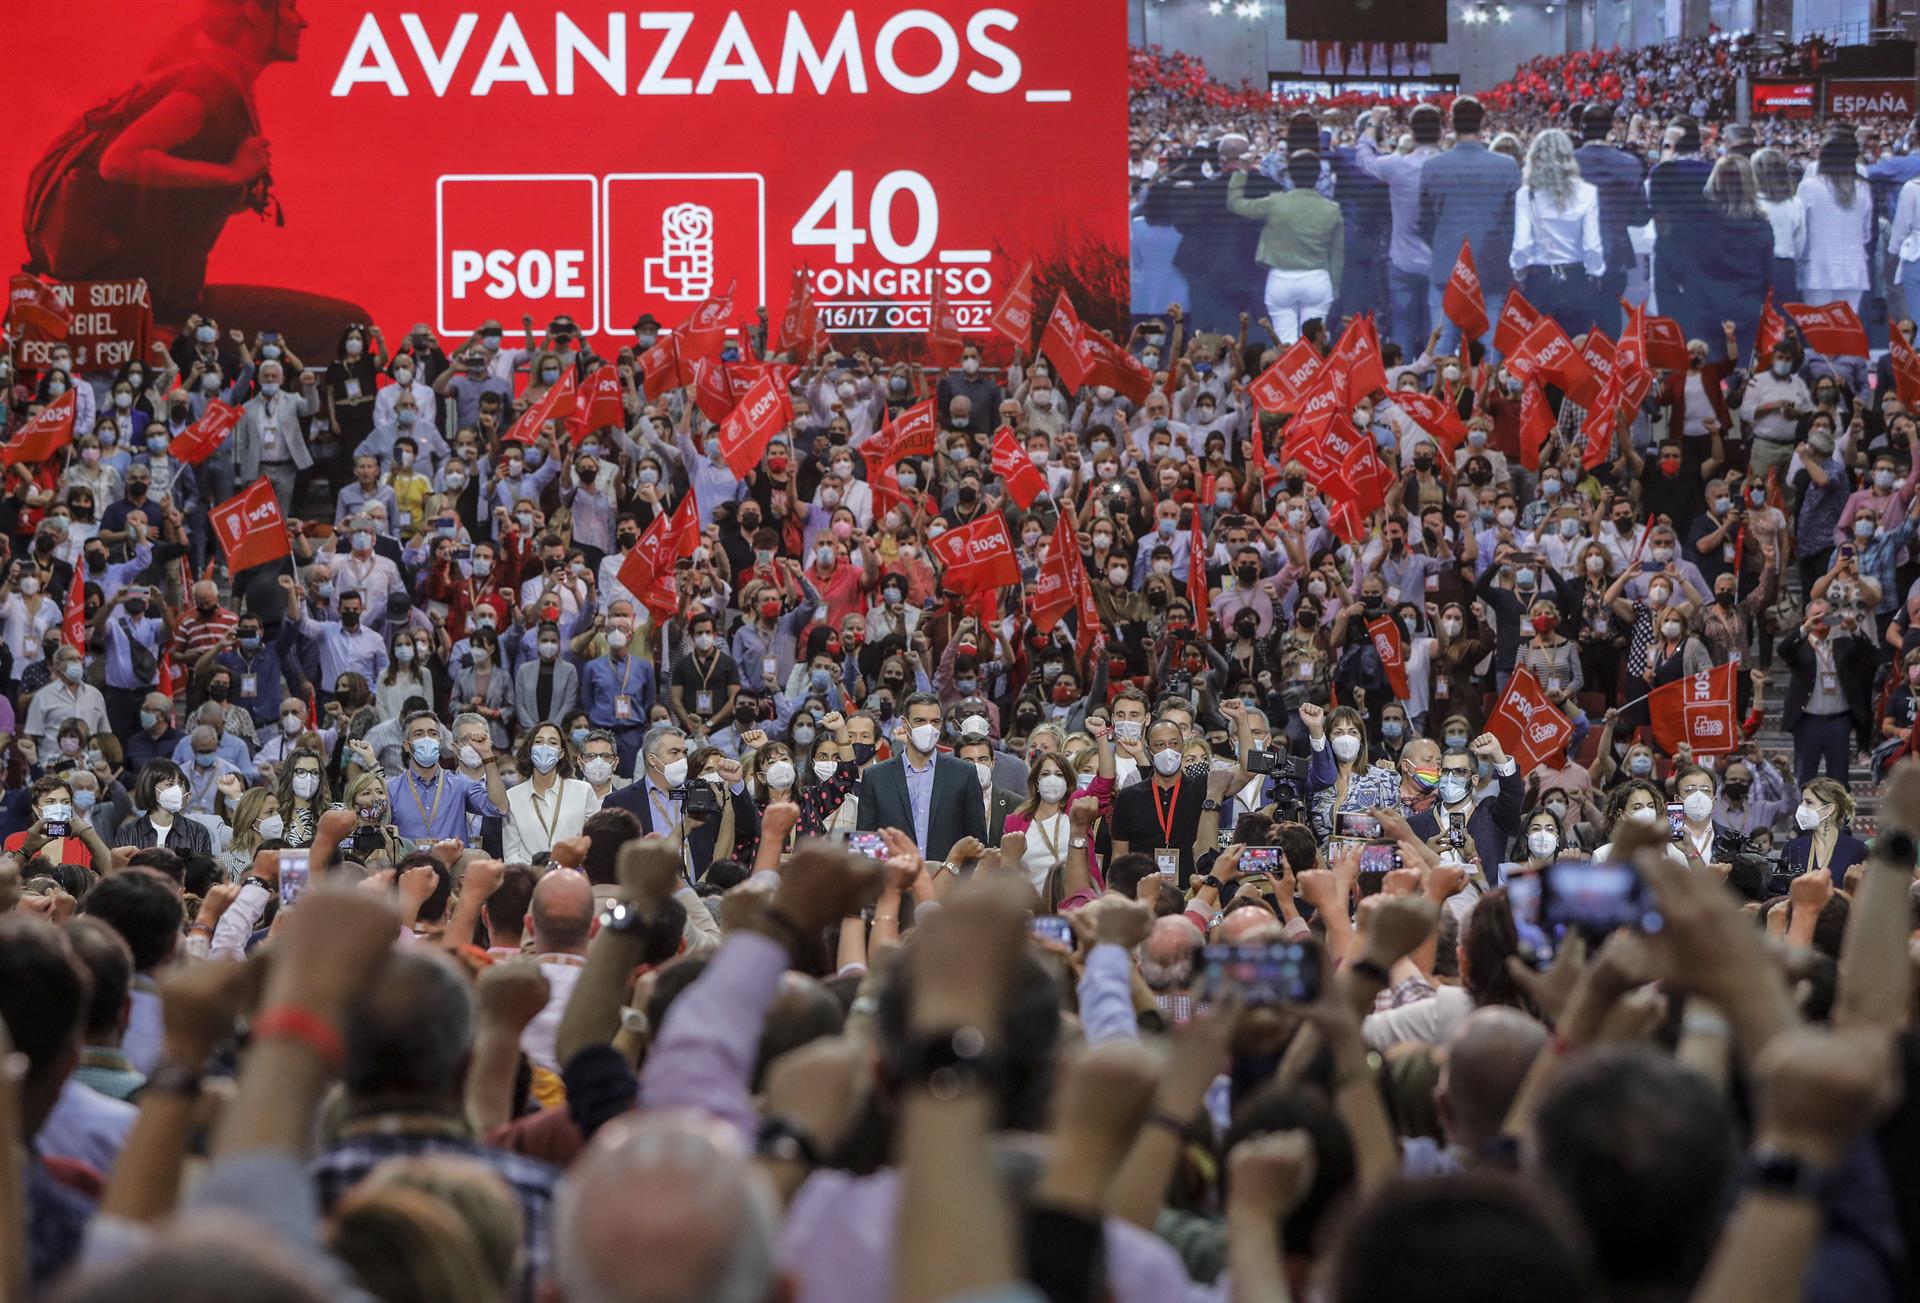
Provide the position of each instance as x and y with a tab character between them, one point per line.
256	819
1774	177
1556	233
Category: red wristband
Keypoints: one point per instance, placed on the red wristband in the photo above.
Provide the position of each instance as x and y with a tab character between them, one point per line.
309	1028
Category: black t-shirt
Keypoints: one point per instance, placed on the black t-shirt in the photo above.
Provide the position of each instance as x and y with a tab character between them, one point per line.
695	674
1138	812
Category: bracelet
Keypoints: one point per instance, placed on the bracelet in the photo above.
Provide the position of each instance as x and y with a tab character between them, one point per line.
291	1022
201	927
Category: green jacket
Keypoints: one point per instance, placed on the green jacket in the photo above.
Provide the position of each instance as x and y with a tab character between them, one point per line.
1303	232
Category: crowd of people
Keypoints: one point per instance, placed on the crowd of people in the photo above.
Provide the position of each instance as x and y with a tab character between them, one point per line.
429	915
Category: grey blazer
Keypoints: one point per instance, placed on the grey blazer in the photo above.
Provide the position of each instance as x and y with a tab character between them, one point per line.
249	436
1467	193
526	689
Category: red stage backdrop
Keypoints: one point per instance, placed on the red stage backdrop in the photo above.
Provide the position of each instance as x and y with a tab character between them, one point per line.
450	162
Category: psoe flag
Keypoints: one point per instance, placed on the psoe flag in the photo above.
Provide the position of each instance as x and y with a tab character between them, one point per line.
250	528
1530	728
1697	710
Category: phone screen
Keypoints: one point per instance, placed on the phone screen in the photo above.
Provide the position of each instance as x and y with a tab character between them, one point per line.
1357	823
870	844
1537	943
294	870
1456	829
1676	820
1377	860
1595	898
1051	927
1277	972
1260	859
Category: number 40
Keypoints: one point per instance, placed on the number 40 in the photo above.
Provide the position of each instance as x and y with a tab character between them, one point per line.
829	219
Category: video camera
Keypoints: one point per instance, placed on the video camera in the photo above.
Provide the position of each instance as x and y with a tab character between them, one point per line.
1277	765
698	800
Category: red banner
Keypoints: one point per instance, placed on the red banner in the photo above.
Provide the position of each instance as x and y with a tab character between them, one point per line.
976	557
1630	358
1283	386
1530	728
1010	462
712	392
1697	710
1386	644
750	426
111	323
1436	416
1013	315
704	331
1773	329
1055	585
1600	427
1517	317
1548	355
662	369
73	620
1060	343
555	405
908	434
800	323
1104	362
1666	343
1832	328
648	569
50	430
203	438
599	404
1464	302
33	302
1864	97
1536	423
1906	367
944	341
1600	354
1357	358
1786	99
1197	580
250	527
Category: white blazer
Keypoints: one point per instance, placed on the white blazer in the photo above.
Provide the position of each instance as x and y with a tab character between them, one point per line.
526	834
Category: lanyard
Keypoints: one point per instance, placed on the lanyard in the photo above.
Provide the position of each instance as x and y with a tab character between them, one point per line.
1166	816
439	784
706	673
547	825
1050	840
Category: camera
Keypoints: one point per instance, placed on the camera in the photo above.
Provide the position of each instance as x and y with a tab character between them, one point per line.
1276	764
698	800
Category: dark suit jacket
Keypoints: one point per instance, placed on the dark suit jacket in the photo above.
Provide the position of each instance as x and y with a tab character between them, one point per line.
1848	851
1005	802
1852	661
1467	193
1492	825
1676	196
701	834
1620	178
186	838
955	812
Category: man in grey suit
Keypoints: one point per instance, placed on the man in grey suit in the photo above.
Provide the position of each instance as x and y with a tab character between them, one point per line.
935	799
268	441
1620	178
1467	194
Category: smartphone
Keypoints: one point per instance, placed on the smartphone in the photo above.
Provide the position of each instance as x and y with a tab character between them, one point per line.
464	552
1537	944
1846	551
1676	820
870	844
1356	823
1261	859
1457	829
1377	860
1276	972
57	828
294	870
1053	928
1595	898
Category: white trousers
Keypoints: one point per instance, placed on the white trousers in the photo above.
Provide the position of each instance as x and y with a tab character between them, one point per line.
1297	296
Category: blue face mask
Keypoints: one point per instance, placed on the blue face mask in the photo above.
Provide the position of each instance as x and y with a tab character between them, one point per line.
1393	730
579	736
148	719
1453	788
204	759
966	686
1456	742
1640	765
821	681
426	751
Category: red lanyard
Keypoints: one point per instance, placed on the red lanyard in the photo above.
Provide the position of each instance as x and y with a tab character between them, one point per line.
1166	816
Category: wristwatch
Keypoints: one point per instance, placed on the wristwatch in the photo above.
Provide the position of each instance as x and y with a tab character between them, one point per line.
1078	844
1773	1170
947	1064
1210	881
1209	804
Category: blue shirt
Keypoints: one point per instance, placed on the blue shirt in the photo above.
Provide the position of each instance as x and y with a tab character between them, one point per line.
919	796
604	680
231	749
269	681
122	631
362	651
437	808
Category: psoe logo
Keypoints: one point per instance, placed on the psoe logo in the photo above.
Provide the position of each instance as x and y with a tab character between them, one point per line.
1710	727
683	273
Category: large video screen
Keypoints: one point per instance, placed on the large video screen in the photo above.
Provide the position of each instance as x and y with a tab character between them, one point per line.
1367	20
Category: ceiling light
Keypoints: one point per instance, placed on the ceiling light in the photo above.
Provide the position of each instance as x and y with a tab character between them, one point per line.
1215	6
1504	14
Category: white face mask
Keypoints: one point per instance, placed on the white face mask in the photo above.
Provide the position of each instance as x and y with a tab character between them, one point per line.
1345	748
1807	817
305	785
1451	628
1645	814
1699	806
171	798
271	828
780	774
1541	842
1052	787
1670	629
597	770
825	769
1166	763
985	771
675	772
469	756
925	737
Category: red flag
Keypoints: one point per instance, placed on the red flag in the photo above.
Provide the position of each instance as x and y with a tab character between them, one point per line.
977	557
1517	317
1530	728
1666	343
1697	710
1536	423
1060	341
909	434
750	426
1600	353
1360	486
944	341
250	527
73	620
555	405
1357	357
50	430
1773	329
1011	463
1464	302
1436	416
1906	367
1548	355
1600	427
1386	643
712	392
33	302
705	329
1197	595
200	440
1093	630
1054	587
799	323
1104	362
1832	328
648	570
1630	357
662	368
1283	386
1013	315
598	404
164	685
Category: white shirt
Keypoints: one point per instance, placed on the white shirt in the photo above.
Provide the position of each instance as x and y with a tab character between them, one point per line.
1837	238
1040	857
86	1127
1547	234
537	1041
1789	219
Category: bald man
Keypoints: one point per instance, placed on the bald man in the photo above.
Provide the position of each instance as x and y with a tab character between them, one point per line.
1173	947
560	918
207	626
1484	1061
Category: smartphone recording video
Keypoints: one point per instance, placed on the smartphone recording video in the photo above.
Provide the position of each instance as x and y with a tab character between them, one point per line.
1277	972
1596	898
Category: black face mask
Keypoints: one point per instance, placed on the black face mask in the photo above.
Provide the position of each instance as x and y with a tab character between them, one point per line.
749	523
137	489
350	619
1725	597
862	752
137	606
1247	575
629	539
218	691
1246	628
1737	791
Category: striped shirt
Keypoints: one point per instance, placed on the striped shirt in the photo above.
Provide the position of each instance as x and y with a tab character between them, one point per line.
196	636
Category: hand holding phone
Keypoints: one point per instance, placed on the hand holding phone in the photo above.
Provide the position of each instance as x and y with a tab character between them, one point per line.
870	844
294	871
1276	972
